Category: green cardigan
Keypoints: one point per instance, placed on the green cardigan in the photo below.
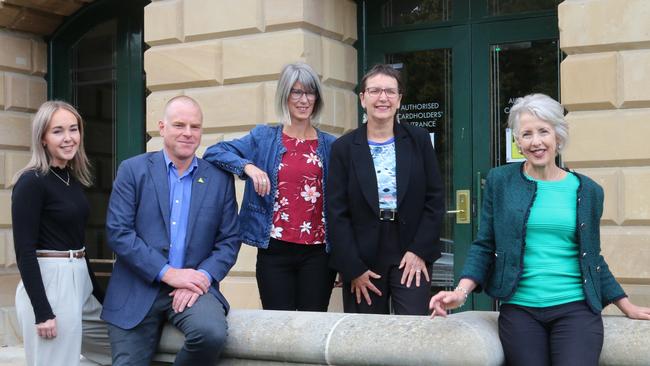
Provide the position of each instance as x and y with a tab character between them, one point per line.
495	259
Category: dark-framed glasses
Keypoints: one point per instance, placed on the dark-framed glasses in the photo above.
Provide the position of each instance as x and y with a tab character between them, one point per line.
296	94
391	93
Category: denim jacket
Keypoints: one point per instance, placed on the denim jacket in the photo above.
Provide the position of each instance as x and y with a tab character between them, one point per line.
495	259
263	148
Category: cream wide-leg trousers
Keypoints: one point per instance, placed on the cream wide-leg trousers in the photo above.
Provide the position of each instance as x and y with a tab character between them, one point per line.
69	291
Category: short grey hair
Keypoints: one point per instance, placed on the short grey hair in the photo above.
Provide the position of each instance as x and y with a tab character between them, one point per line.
182	99
292	73
545	108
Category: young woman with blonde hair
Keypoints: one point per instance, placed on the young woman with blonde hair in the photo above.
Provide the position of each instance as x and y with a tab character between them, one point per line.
49	212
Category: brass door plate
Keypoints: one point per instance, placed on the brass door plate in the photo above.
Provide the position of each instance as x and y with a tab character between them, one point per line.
462	206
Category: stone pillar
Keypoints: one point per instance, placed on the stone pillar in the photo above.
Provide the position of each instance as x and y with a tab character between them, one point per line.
227	54
22	90
605	87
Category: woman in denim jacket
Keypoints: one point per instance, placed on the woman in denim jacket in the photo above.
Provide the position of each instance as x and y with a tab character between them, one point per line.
538	250
285	168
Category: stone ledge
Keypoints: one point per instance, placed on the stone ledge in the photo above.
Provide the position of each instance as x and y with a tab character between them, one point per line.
258	337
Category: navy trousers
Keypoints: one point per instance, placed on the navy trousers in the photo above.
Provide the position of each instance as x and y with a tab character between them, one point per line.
568	334
204	326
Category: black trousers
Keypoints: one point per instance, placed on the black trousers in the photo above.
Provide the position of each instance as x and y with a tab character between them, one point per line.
568	334
294	276
404	300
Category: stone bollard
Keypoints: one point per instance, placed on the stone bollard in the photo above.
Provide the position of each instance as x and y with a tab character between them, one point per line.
257	337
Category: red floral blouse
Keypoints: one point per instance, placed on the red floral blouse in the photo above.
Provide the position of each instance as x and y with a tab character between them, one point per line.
298	209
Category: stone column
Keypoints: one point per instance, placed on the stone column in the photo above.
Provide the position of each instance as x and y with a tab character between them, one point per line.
227	54
22	90
605	81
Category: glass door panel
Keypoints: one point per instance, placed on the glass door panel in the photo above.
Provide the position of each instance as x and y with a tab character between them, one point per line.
402	12
93	92
427	103
436	98
503	7
518	69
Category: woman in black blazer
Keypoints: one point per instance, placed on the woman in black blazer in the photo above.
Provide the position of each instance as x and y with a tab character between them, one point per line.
385	205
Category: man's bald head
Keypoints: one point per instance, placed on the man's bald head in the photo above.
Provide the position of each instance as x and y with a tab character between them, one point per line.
181	99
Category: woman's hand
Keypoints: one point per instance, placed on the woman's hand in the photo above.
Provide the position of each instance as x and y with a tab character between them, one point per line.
413	266
445	300
260	179
47	329
633	311
362	284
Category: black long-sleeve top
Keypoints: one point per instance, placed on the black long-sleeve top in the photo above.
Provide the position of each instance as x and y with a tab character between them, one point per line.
46	214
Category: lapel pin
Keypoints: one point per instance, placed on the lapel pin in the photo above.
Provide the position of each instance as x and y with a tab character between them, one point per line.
201	180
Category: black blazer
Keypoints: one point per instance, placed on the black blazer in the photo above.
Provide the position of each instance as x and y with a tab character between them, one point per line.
353	201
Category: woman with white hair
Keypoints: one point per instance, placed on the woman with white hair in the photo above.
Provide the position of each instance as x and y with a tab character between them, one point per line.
538	249
49	212
282	213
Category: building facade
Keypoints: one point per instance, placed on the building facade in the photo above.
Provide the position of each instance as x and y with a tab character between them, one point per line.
464	62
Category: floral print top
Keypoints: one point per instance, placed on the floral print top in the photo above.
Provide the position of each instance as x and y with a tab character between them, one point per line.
383	156
298	208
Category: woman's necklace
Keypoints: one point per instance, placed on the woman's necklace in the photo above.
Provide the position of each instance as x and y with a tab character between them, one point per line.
65	181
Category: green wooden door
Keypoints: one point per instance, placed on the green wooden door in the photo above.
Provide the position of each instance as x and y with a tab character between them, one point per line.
464	63
434	66
96	65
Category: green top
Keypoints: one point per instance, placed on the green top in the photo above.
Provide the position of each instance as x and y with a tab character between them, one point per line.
551	274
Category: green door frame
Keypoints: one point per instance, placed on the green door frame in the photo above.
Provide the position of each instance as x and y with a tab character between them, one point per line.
469	33
130	101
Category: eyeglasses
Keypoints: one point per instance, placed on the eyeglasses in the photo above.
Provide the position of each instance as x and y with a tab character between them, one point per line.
391	93
296	94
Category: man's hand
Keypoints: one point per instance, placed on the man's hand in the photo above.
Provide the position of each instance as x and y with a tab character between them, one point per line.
187	278
183	298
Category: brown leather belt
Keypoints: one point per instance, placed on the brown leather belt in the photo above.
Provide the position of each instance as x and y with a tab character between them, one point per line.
70	254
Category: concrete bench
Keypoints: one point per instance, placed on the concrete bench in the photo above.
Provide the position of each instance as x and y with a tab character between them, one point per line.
257	337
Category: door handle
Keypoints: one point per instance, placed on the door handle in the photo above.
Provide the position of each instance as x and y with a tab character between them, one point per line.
462	206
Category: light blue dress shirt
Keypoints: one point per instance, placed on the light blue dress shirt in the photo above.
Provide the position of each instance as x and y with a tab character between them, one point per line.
180	196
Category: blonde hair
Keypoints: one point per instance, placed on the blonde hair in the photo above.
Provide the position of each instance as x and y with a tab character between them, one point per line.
40	160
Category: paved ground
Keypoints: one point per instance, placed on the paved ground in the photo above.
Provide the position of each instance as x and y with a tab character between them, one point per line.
15	356
12	356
